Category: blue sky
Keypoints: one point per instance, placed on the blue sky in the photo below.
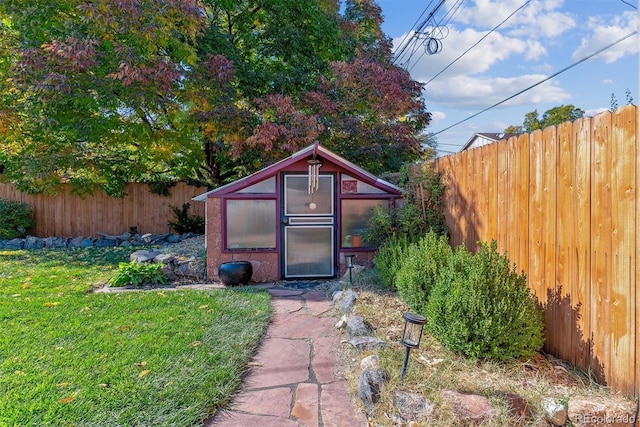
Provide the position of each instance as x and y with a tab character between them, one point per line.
539	40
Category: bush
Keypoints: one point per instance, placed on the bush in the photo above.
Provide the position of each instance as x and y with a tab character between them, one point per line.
481	307
184	222
419	269
389	258
138	274
16	218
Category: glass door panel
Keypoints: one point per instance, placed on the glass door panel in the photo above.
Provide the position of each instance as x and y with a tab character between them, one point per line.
308	251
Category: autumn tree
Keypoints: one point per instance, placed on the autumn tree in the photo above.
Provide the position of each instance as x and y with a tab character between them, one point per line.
107	92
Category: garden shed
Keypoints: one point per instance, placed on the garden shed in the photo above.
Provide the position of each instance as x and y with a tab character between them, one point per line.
295	219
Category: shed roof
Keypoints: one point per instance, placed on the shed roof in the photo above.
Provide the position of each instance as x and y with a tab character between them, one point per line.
295	157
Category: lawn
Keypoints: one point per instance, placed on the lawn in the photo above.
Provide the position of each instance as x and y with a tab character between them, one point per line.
72	357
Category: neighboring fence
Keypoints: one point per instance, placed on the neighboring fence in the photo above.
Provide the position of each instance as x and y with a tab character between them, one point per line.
67	215
563	203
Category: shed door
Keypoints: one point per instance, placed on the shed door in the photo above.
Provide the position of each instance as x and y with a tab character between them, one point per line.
308	227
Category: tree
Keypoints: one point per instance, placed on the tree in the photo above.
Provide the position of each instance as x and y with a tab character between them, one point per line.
551	117
103	93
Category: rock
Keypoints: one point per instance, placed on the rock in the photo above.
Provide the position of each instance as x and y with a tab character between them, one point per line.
81	242
370	387
357	269
143	256
357	327
370	362
554	412
106	243
367	343
471	408
345	300
342	323
55	242
164	259
189	270
14	244
518	407
125	244
412	406
173	238
31	242
600	411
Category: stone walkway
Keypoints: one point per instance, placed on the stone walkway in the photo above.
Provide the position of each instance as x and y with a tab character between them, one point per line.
292	379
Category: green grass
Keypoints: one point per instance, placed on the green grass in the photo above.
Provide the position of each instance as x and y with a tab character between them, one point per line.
70	357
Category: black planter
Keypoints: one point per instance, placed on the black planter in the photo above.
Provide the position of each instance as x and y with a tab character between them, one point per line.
235	273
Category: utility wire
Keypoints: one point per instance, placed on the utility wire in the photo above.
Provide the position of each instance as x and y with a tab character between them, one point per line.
413	26
541	81
632	5
478	42
418	30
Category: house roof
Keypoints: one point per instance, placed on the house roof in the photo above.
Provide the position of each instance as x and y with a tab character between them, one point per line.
295	157
492	136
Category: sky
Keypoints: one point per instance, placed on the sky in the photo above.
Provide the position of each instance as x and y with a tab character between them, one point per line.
538	40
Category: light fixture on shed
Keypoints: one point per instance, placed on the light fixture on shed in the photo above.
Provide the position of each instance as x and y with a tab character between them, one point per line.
413	324
348	262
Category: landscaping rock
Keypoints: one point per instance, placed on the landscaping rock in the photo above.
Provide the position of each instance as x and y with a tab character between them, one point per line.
518	407
106	243
342	323
412	407
367	343
471	408
370	387
554	412
143	256
164	259
14	244
31	242
584	412
357	327
370	362
81	242
345	300
189	269
55	242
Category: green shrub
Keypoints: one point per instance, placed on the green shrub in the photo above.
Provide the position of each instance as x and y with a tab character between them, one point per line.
419	269
389	257
185	223
481	307
16	218
138	274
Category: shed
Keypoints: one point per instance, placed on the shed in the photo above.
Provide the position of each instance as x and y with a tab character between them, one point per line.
295	219
484	138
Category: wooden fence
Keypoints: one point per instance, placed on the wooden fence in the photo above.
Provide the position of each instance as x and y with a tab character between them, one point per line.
68	215
563	204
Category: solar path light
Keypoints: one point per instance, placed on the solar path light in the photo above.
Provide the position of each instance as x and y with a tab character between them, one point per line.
348	260
413	324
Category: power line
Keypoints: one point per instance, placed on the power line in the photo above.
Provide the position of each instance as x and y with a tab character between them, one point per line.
418	30
627	3
541	81
478	42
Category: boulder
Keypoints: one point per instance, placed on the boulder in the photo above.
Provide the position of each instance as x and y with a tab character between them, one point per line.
601	411
143	256
31	242
81	242
367	343
412	407
357	327
345	300
554	412
106	243
370	387
55	242
471	408
14	244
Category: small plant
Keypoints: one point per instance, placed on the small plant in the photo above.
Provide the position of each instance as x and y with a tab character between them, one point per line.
184	222
16	218
482	308
138	274
419	269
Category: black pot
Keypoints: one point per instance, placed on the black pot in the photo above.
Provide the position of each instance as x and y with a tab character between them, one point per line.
235	273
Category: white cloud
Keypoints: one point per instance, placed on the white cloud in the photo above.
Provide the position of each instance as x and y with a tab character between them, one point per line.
436	116
538	19
608	82
478	93
603	33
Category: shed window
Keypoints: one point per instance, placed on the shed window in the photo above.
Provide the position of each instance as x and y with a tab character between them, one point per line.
355	220
350	185
251	224
267	186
